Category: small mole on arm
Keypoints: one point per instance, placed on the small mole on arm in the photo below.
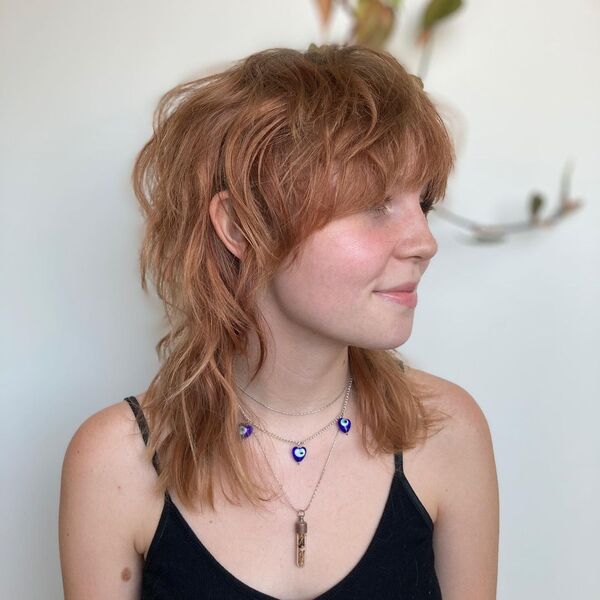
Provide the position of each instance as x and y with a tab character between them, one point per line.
126	574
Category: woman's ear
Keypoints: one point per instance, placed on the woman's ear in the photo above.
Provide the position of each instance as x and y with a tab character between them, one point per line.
224	221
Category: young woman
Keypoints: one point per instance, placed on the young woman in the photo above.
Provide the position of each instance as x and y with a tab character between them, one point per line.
283	449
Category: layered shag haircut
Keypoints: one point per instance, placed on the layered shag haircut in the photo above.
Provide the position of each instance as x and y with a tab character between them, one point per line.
297	139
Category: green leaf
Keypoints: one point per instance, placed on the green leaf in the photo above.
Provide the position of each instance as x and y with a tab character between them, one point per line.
437	10
374	22
536	202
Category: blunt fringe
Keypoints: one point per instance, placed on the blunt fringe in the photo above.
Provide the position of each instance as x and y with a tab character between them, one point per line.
297	138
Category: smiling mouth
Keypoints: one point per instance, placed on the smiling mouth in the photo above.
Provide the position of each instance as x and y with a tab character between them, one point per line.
409	299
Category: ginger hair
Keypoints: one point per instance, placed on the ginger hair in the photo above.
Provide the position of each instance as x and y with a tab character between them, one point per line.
297	138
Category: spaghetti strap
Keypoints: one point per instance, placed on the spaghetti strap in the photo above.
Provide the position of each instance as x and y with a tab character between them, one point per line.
143	425
398	462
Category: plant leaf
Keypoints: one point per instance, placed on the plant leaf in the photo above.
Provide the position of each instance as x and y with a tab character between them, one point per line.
374	22
536	202
437	10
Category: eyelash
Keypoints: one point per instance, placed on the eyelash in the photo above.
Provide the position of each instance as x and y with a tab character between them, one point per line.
426	207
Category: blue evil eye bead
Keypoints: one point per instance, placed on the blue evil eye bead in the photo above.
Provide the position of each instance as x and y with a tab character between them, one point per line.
298	452
344	424
245	430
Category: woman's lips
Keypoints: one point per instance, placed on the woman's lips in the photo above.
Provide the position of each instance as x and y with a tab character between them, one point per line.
407	298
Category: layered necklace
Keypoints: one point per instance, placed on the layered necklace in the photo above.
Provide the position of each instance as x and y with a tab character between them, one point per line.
298	452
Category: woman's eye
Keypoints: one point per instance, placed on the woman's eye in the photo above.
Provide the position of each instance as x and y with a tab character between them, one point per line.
380	210
383	209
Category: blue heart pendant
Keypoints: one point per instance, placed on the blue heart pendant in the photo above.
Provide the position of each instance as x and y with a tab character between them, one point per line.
344	425
245	430
298	452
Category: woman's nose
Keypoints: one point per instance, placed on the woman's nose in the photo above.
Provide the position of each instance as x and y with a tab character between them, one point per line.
416	240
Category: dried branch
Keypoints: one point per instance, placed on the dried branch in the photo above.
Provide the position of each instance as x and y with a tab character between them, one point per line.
498	231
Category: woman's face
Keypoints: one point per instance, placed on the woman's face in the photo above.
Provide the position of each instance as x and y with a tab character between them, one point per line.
330	291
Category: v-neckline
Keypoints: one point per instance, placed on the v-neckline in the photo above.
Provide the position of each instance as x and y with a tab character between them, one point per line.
257	594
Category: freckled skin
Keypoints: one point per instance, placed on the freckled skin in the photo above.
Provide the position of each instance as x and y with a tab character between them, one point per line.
126	574
329	290
325	301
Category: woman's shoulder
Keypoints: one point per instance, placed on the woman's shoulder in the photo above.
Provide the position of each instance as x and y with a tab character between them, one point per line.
464	433
107	454
447	396
107	433
462	464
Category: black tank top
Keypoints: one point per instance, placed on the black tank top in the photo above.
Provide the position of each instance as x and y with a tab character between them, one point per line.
398	563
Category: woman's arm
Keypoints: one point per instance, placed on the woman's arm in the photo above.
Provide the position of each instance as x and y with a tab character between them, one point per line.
467	527
96	515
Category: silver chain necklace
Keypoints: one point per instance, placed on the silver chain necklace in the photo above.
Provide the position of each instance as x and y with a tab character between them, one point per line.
298	449
304	440
299	452
292	414
301	524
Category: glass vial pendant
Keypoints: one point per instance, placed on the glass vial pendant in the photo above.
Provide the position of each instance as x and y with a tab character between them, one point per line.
301	529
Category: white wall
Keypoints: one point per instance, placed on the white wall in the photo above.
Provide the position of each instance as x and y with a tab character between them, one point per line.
516	324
